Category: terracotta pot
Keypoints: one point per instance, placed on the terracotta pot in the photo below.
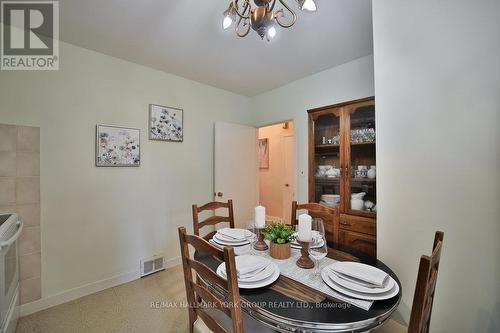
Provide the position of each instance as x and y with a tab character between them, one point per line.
280	251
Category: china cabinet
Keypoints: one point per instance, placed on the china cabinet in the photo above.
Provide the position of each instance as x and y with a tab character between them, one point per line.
342	169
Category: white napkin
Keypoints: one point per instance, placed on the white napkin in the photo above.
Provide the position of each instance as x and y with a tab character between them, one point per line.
361	272
248	265
233	233
354	280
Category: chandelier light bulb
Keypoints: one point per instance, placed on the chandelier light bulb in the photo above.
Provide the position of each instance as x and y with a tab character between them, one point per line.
226	23
271	32
308	5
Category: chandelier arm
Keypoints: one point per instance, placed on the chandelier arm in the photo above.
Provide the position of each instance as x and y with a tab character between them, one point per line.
241	15
244	34
245	21
272	6
285	25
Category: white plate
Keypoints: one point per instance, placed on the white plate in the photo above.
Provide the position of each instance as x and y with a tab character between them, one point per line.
318	241
315	236
369	297
257	284
220	241
238	250
337	278
315	245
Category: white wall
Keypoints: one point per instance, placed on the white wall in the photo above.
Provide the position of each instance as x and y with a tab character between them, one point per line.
98	223
437	85
346	82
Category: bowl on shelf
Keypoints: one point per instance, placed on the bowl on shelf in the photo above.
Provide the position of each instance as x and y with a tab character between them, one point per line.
323	169
330	199
333	172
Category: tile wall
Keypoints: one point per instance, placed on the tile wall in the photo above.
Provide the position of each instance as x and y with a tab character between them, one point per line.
20	192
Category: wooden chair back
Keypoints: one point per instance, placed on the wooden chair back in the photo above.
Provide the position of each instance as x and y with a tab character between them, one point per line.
199	296
329	215
212	220
421	310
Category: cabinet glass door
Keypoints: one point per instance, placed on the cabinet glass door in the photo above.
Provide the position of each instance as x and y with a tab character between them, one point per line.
327	148
363	172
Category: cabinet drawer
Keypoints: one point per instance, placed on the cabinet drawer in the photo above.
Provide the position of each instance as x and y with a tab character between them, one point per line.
358	224
361	242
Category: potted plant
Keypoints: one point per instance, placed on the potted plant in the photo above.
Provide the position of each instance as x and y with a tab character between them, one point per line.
279	235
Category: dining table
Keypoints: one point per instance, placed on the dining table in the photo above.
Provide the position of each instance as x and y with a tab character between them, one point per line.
291	306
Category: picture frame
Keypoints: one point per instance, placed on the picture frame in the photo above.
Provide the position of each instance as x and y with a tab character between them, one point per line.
165	123
117	146
264	153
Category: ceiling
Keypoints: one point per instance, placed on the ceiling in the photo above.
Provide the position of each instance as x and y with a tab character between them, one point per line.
185	38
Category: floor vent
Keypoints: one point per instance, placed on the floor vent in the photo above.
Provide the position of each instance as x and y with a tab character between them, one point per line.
152	265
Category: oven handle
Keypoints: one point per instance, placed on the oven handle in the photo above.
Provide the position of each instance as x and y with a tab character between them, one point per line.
9	242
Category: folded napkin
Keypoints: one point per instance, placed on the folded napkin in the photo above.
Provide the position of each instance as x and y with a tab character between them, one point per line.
248	265
356	281
233	233
361	272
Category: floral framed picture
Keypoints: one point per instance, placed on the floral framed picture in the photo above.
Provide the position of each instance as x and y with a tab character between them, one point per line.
117	146
165	123
264	153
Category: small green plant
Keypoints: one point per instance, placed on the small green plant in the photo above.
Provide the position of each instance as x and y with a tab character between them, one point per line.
279	233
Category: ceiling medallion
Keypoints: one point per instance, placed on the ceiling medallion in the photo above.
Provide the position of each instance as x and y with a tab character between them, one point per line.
261	16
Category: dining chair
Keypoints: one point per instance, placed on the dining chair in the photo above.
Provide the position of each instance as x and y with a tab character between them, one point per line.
199	296
212	311
330	216
212	220
423	298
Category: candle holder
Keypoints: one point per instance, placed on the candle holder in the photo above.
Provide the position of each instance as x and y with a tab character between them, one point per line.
304	261
260	245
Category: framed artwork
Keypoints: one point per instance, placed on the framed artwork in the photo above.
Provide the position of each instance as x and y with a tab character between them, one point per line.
165	123
117	146
264	153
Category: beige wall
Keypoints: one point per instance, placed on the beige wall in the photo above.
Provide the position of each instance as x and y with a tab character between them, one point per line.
437	80
346	82
97	223
272	180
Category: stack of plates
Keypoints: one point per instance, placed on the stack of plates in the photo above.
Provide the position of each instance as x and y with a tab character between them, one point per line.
318	241
253	271
232	237
330	199
360	281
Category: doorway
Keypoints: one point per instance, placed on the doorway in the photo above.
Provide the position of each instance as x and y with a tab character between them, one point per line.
276	170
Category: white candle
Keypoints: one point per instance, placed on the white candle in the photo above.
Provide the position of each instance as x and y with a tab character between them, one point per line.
305	231
260	217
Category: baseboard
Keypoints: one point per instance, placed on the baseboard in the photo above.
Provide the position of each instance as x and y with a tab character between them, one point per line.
75	293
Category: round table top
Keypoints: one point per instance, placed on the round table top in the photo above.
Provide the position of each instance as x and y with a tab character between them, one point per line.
288	305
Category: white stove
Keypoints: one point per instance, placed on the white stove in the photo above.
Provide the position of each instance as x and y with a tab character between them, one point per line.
10	230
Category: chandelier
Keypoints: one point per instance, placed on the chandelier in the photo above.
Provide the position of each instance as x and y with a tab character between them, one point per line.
261	16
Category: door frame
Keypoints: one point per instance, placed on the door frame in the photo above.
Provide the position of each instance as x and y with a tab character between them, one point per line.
295	153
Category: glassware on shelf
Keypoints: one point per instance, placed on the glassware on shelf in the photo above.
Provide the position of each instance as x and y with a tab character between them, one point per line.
363	135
